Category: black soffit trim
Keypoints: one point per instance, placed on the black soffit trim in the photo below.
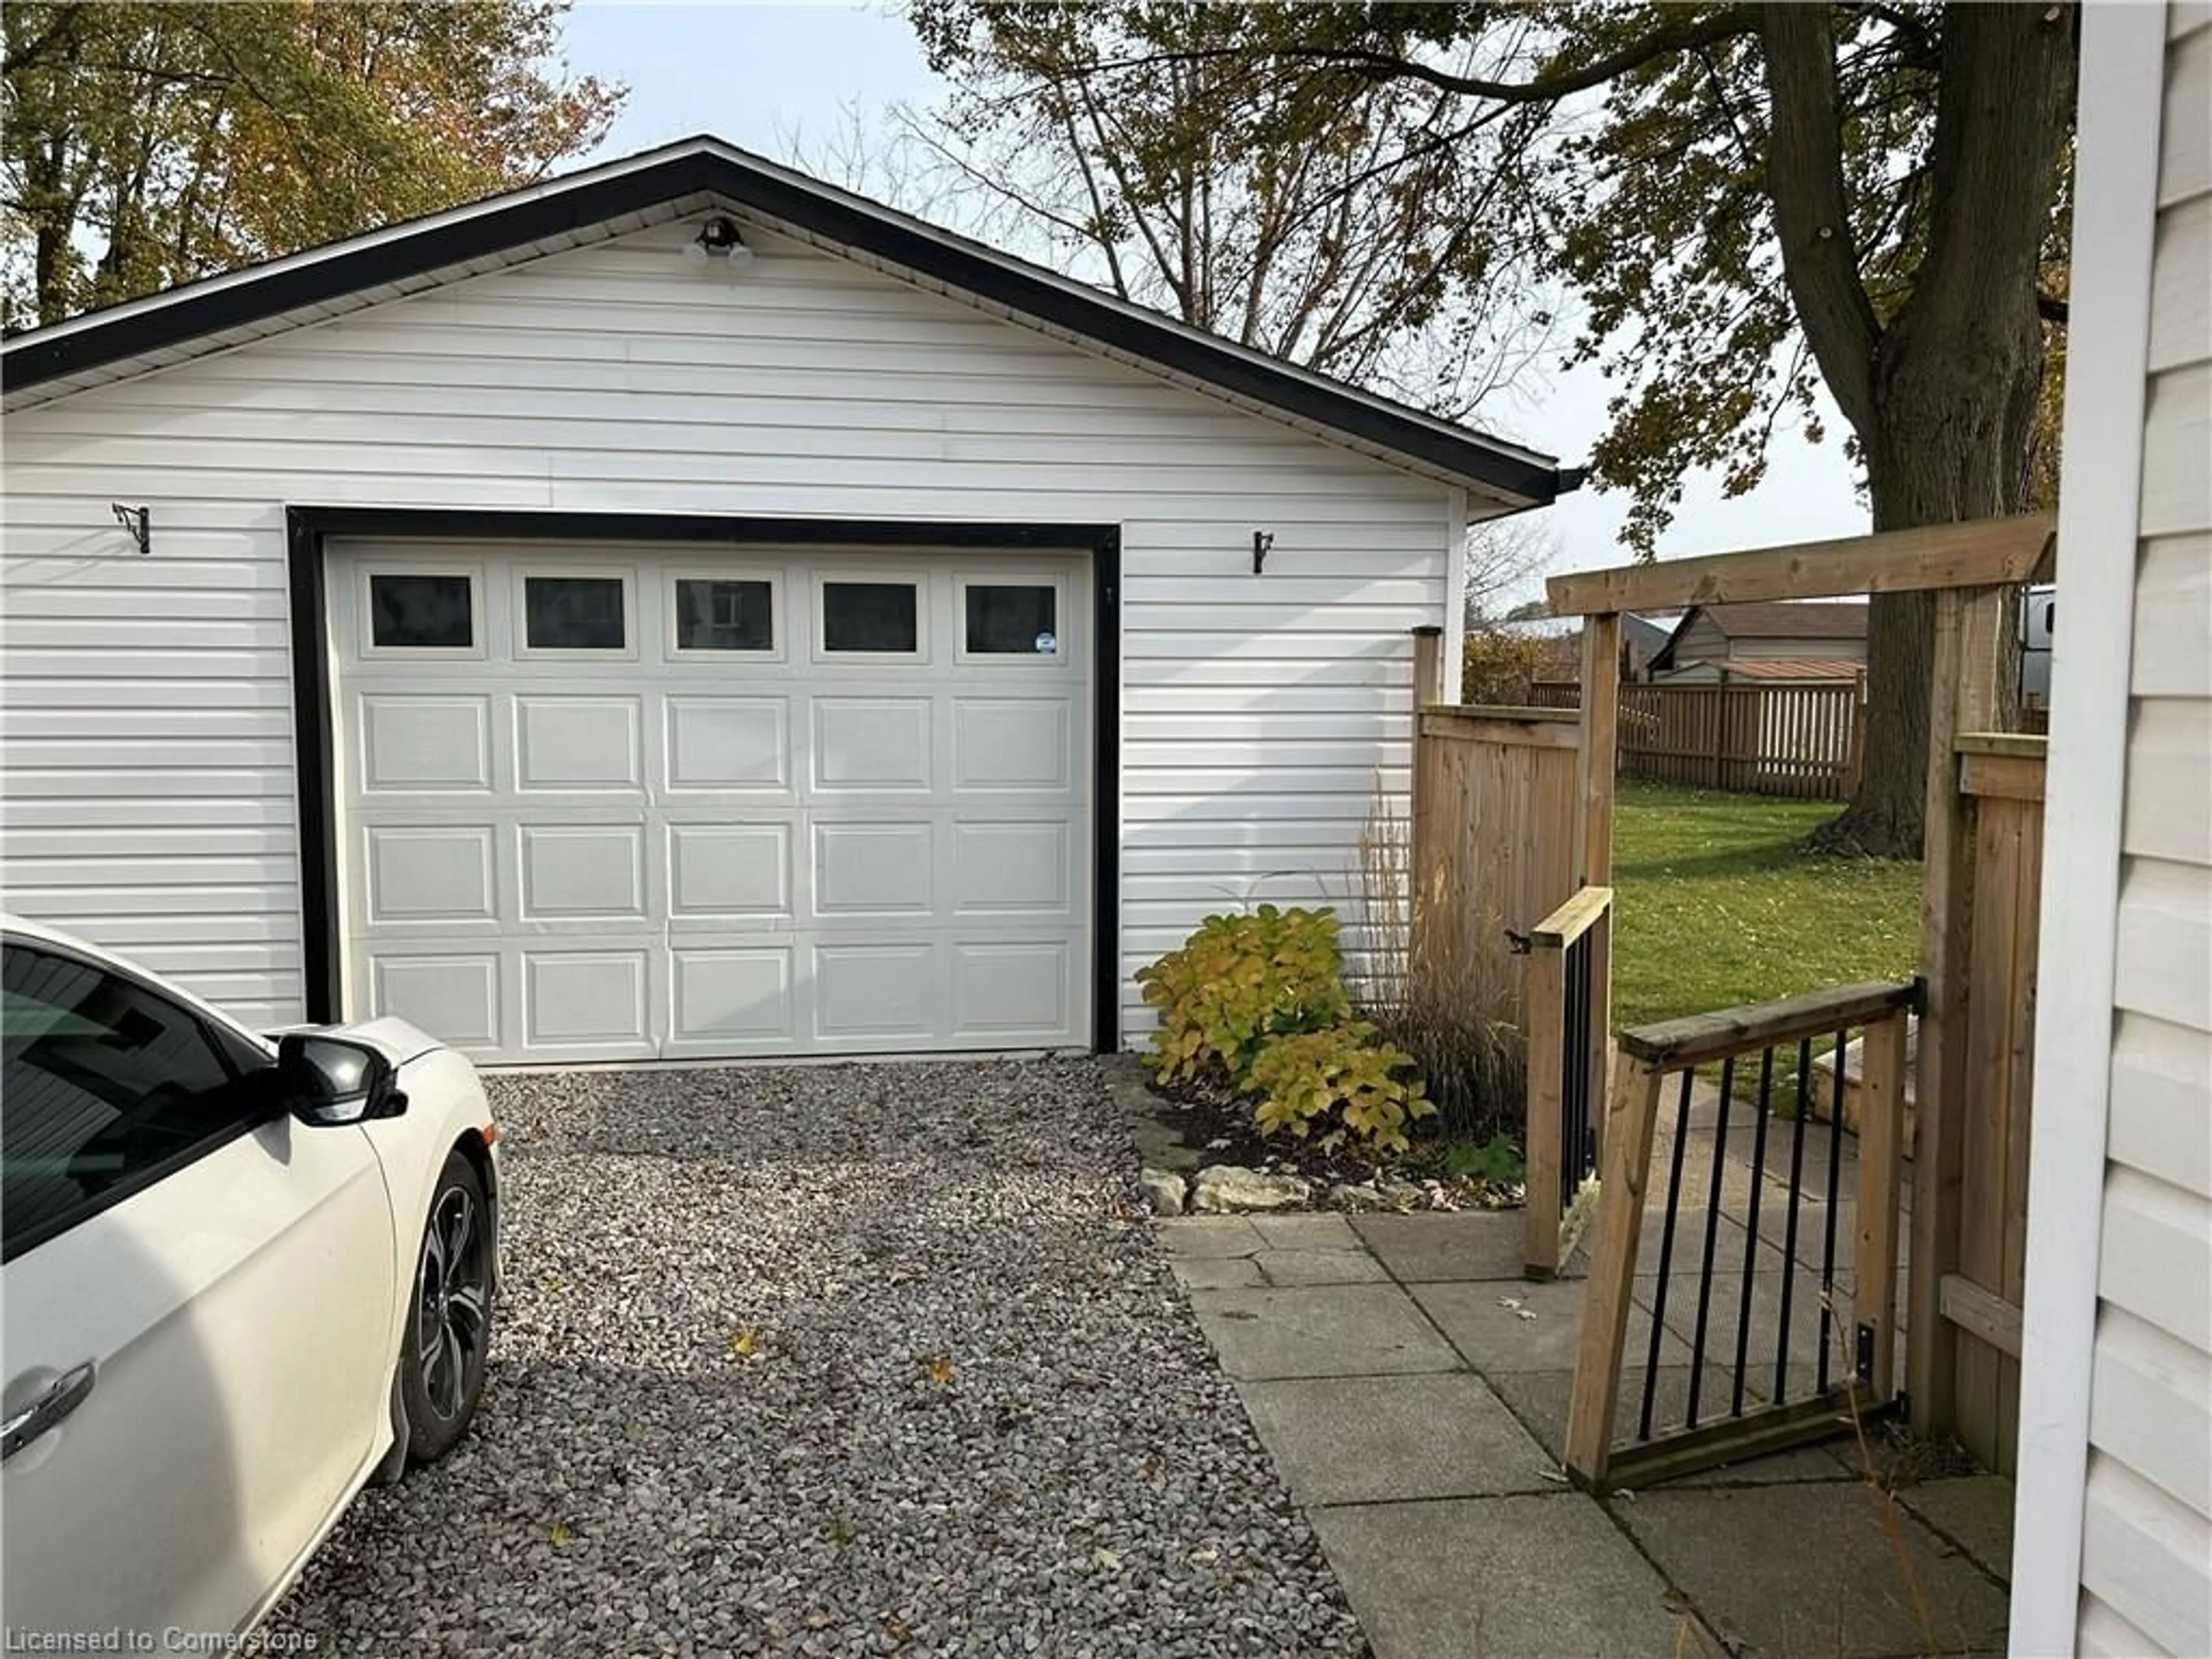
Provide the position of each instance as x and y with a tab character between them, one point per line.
512	524
187	315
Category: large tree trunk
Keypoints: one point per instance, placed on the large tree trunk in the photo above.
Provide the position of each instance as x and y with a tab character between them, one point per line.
1946	407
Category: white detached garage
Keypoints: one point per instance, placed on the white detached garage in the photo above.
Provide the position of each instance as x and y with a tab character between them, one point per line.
686	611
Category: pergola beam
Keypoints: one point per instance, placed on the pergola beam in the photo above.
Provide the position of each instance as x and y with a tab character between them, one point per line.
1985	553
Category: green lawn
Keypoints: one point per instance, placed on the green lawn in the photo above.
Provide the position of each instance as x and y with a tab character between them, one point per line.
1716	904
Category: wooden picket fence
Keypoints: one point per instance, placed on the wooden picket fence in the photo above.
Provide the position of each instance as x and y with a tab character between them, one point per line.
1808	741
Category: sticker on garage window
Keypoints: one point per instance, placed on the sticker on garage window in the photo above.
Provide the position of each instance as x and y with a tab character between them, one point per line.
1012	619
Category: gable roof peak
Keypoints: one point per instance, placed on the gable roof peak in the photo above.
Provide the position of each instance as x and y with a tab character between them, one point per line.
700	173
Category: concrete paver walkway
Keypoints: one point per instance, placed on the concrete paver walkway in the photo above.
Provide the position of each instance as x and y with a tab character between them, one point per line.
1413	1391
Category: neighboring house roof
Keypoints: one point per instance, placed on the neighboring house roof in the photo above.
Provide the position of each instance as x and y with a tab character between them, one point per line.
1646	639
1783	620
1769	620
1562	658
1780	668
700	174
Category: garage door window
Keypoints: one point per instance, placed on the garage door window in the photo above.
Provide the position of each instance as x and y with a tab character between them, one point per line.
1011	619
421	612
880	618
725	614
575	613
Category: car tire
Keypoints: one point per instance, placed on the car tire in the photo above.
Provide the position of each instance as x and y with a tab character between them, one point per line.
449	1314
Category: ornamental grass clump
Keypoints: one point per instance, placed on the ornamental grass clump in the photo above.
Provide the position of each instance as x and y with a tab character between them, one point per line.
1437	981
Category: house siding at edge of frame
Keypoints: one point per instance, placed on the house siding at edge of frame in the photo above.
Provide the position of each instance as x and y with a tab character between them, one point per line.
2114	1519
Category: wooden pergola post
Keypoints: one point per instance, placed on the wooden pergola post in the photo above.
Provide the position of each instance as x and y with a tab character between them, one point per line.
1962	697
1596	764
1420	834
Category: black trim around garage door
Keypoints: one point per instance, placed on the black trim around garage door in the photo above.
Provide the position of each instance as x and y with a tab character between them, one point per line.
308	529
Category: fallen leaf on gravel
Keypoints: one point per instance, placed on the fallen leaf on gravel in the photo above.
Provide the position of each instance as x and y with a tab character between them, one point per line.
747	1343
1204	1557
1106	1558
1512	1301
939	1370
560	1532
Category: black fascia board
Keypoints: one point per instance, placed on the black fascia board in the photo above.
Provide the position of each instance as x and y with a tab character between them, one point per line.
496	229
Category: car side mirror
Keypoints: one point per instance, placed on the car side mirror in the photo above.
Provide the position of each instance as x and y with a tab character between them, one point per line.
330	1081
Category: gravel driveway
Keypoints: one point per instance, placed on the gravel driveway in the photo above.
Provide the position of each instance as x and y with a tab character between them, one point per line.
977	1416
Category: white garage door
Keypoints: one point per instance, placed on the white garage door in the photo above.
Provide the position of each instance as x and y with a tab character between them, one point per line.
658	805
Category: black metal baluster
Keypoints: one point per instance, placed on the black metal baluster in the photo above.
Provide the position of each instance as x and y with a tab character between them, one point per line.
1828	1247
1582	1102
1751	1240
1666	1258
1573	1067
1712	1236
1789	1230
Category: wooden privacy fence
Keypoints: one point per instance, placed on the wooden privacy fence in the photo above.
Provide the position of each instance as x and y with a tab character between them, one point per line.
1977	1283
1494	804
1804	740
1493	800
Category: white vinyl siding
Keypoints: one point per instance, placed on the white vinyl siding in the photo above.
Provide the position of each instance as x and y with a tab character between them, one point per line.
2147	1537
147	748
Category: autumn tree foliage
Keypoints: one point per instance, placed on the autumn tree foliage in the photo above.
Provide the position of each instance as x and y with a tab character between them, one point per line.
1750	201
148	144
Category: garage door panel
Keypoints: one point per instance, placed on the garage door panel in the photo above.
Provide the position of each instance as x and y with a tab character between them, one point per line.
571	743
410	743
875	992
728	744
594	999
719	851
871	743
1004	868
873	868
728	999
1013	743
443	874
1009	990
576	872
721	871
456	996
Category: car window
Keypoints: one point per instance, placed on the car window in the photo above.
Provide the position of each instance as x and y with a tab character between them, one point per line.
107	1086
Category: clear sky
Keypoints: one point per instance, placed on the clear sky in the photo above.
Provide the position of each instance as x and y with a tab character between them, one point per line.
759	74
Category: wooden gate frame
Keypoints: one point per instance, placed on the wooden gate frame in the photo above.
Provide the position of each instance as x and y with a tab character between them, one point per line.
1971	569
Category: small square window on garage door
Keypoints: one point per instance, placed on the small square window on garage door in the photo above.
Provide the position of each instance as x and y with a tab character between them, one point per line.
421	612
725	611
575	613
863	613
1011	617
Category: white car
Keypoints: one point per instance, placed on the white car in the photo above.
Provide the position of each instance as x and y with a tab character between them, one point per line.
242	1278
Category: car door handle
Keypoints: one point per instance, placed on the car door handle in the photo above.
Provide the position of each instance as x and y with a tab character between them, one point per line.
61	1396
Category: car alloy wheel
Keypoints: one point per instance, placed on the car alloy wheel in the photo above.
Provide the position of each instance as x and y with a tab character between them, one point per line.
453	1297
